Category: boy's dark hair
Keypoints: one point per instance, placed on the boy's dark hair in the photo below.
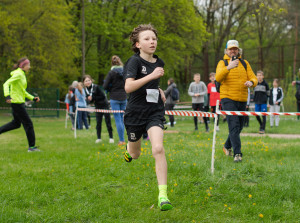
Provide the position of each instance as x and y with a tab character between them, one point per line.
212	74
134	36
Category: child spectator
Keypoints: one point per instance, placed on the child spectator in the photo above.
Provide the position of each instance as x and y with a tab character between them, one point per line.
276	97
81	103
213	95
69	106
98	97
197	90
261	94
170	103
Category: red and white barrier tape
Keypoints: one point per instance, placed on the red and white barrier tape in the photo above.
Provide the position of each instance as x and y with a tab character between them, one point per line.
190	113
41	109
180	113
244	113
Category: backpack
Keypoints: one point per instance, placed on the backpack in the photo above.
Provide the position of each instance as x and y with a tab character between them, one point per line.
175	94
218	85
297	95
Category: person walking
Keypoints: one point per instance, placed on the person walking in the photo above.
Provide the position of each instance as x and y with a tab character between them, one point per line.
170	103
114	84
98	97
15	94
145	109
235	76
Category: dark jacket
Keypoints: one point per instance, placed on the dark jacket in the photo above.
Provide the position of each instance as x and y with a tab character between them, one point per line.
279	96
114	84
99	98
261	93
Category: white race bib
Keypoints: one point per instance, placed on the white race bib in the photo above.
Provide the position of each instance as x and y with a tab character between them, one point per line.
152	95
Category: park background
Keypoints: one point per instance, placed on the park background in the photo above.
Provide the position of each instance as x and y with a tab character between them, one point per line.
66	38
76	180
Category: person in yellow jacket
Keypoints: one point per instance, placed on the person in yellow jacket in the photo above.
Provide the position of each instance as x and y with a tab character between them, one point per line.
235	76
15	94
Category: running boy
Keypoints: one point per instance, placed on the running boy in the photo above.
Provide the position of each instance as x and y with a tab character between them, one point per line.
213	95
197	90
261	94
145	108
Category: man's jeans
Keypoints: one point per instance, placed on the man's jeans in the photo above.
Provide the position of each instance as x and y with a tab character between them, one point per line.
119	120
235	124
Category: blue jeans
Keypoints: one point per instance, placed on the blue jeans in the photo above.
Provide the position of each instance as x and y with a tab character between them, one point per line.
235	124
119	105
82	117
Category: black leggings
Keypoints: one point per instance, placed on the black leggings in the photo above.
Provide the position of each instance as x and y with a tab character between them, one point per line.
99	117
20	117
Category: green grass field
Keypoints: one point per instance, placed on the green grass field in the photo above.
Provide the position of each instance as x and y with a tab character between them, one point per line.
76	180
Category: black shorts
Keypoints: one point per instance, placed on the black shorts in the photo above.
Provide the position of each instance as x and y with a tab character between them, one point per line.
135	132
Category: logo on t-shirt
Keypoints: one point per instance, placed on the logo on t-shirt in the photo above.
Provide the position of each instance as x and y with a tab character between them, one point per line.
144	71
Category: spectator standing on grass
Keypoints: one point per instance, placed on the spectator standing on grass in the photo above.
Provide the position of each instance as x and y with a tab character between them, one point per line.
235	76
69	106
114	84
275	99
261	94
213	96
81	103
297	95
145	111
15	93
170	103
98	97
197	90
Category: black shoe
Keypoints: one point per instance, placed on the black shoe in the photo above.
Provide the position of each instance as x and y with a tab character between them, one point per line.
207	129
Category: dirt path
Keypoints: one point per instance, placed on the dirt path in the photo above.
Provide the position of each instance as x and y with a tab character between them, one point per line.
284	136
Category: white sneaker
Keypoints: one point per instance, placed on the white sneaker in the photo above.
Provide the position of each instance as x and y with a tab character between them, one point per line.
217	128
98	140
111	140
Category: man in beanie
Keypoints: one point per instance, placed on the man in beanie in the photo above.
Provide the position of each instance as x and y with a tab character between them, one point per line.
235	76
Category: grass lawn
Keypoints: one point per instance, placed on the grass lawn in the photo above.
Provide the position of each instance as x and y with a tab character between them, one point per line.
76	180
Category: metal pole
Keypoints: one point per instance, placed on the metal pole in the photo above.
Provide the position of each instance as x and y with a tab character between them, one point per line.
214	140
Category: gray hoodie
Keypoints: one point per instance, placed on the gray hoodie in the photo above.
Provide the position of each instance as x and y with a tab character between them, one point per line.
168	93
199	88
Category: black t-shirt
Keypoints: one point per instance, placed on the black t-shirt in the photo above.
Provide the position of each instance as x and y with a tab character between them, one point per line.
138	110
